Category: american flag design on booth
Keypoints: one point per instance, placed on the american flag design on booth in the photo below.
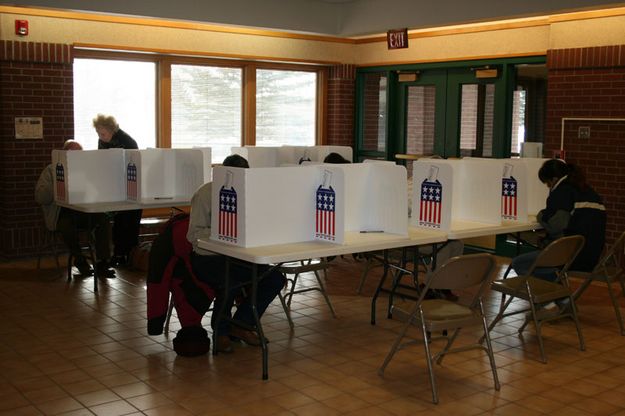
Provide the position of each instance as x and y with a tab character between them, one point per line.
431	200
509	190
325	218
131	181
60	181
228	211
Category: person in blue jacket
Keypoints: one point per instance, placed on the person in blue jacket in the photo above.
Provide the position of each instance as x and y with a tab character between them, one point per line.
572	208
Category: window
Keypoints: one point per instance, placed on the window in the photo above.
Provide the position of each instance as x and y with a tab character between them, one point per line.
123	89
185	102
285	107
206	108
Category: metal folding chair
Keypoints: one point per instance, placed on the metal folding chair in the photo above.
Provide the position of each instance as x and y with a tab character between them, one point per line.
538	292
441	315
610	269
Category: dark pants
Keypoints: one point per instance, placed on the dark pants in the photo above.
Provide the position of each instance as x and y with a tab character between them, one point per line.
212	269
71	222
126	231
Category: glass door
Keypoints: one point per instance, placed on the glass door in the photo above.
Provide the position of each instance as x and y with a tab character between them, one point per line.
474	117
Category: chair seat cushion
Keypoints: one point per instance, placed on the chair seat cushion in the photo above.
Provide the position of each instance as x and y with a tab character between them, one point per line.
542	290
440	309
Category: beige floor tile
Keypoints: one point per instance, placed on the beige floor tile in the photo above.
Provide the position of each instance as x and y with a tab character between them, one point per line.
77	353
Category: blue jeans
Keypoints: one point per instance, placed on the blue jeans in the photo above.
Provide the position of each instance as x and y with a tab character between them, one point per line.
211	269
521	265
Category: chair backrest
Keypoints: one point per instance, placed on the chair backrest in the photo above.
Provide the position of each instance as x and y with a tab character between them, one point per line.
462	272
559	253
613	261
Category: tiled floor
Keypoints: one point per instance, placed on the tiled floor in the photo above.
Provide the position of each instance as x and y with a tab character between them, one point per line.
65	350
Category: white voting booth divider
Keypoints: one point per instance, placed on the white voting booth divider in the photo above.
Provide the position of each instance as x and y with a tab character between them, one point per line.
266	157
87	176
522	193
264	206
113	175
166	173
446	191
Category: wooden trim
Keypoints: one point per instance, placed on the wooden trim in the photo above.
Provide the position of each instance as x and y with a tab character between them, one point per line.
322	107
249	106
138	53
464	29
587	14
163	105
172	24
455	59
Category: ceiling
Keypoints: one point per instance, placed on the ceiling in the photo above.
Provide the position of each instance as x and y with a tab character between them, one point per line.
345	18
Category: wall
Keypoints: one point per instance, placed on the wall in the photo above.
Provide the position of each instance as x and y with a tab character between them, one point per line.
590	82
341	105
35	81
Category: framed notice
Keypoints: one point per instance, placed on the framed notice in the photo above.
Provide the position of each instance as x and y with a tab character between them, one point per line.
28	128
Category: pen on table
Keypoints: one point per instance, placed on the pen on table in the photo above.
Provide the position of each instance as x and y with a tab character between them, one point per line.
163	197
371	231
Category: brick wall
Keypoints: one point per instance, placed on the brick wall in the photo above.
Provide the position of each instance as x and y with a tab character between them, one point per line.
341	87
35	81
590	82
374	112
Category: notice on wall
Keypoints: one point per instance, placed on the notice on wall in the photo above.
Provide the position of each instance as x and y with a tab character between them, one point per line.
28	127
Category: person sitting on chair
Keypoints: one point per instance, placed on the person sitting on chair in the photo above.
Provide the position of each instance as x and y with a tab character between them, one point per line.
68	222
572	208
211	269
335	158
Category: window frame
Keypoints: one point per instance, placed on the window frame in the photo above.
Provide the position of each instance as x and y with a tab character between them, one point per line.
164	62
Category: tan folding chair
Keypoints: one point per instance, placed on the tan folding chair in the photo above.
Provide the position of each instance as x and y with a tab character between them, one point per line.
537	292
305	266
610	269
471	271
48	244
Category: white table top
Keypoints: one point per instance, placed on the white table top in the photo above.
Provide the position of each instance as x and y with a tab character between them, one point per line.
97	207
355	242
469	229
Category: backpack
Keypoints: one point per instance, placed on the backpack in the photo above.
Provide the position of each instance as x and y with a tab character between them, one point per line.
169	270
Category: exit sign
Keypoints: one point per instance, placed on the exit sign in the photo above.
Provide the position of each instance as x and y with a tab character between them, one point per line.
397	39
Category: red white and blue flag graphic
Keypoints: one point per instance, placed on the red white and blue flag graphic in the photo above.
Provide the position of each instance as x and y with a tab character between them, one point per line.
325	226
509	198
227	214
431	203
60	182
131	181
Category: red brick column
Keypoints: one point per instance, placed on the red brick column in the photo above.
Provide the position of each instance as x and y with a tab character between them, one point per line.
590	83
36	80
341	90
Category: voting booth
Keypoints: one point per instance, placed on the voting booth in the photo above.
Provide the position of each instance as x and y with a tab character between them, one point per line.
154	174
85	176
448	191
113	175
522	193
264	157
264	206
258	157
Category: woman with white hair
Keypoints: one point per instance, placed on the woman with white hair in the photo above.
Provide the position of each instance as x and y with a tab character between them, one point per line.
126	223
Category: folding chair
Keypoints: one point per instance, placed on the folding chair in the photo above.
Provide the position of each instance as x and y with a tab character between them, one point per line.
537	292
440	315
304	267
610	269
49	239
